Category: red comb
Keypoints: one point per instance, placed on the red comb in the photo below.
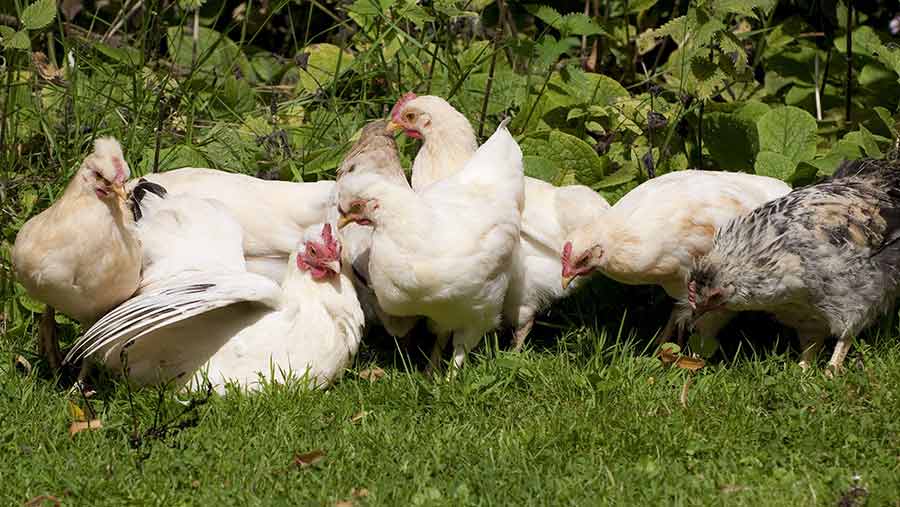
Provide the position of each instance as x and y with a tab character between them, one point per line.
326	235
395	111
567	251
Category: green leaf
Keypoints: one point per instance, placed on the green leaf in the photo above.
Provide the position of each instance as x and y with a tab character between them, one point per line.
39	14
870	146
18	40
540	168
776	165
888	120
788	131
752	110
216	53
732	141
569	24
576	157
325	62
622	176
123	54
31	304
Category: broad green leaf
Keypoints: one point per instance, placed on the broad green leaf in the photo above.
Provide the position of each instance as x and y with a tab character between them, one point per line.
788	131
540	168
732	141
123	54
847	149
18	40
869	144
576	157
776	165
828	164
31	304
216	53
752	110
622	176
39	14
325	62
888	120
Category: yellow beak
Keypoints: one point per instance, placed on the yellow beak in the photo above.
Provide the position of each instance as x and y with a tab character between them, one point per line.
119	190
344	220
393	127
334	266
567	280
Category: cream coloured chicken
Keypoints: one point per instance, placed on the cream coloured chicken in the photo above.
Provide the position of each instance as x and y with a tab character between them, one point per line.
272	214
550	213
444	253
199	304
81	255
653	234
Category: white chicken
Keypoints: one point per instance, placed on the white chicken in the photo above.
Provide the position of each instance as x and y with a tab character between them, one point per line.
80	255
550	214
444	253
199	304
652	235
374	152
272	214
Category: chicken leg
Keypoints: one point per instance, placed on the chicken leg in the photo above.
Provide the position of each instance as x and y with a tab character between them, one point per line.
48	344
520	334
811	346
434	361
836	364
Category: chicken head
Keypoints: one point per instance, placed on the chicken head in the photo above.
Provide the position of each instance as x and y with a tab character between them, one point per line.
584	263
320	254
105	170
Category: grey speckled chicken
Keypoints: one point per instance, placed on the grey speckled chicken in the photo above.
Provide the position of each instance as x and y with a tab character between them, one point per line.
824	259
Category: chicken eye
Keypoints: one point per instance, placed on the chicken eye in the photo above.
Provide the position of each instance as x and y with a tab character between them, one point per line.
100	177
410	117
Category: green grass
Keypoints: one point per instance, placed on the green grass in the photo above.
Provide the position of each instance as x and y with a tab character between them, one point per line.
583	421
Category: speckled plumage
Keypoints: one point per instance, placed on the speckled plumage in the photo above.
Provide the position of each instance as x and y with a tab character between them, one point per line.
823	259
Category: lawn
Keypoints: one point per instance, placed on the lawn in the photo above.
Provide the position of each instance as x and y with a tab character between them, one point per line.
582	420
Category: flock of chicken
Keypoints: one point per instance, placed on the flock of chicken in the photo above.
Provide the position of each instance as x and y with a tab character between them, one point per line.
197	274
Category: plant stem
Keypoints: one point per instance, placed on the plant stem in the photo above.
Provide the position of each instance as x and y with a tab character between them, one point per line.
7	99
490	80
849	90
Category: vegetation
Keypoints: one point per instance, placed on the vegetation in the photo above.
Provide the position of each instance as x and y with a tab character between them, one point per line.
607	94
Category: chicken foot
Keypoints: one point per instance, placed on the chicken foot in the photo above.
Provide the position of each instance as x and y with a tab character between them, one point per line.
48	343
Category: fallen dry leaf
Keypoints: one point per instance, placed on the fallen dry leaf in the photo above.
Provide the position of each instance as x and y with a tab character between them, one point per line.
371	374
359	416
79	426
308	459
359	492
22	365
690	363
732	488
40	500
344	503
46	69
195	484
668	355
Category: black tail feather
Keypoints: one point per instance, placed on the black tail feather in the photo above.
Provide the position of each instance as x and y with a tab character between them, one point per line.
139	191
